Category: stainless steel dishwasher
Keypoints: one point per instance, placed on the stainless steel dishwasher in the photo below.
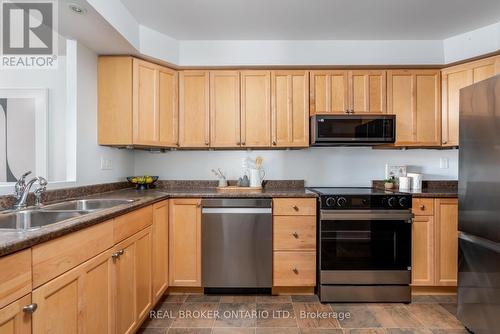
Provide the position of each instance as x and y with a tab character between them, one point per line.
237	247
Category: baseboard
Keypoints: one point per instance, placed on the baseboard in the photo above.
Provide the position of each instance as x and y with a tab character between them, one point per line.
179	290
433	290
293	290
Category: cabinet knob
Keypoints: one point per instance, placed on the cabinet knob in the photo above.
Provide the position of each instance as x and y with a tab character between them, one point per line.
31	308
207	143
295	235
243	143
296	208
295	271
445	142
274	142
422	207
198	205
117	254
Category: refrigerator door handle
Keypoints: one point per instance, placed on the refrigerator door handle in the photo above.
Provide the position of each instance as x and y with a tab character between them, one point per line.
480	241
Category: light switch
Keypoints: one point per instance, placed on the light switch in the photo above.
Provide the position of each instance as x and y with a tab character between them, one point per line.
106	164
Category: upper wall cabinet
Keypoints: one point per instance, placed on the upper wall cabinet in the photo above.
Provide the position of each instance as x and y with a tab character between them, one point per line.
290	109
342	92
194	107
225	109
255	108
137	103
455	78
414	97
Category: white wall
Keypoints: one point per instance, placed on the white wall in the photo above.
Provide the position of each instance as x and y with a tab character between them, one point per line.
88	152
337	166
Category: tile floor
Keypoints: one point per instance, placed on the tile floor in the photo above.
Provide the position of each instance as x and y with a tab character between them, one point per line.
200	314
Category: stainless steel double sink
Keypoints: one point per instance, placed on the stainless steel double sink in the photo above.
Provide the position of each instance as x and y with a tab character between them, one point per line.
34	218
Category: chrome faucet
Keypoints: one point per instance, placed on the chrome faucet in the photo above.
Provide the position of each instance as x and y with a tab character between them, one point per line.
22	189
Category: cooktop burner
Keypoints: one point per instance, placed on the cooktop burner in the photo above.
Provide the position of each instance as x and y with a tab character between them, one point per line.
351	191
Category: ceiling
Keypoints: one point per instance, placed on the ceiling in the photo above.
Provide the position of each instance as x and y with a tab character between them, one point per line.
314	19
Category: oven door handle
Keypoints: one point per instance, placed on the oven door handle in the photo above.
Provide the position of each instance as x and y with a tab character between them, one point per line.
366	215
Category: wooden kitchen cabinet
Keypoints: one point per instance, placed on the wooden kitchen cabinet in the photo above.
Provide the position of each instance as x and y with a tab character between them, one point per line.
435	242
15	276
194	109
290	109
329	92
13	320
255	108
367	91
78	301
446	234
132	271
225	128
455	78
137	102
414	97
185	242
160	249
342	92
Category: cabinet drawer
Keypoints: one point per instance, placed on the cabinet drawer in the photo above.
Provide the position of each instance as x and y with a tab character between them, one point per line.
294	206
131	223
294	269
423	206
57	256
294	233
15	276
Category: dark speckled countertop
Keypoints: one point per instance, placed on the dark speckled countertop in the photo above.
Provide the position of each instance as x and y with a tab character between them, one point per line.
430	189
12	241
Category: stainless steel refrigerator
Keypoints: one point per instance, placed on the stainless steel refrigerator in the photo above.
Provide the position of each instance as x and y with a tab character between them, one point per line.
479	207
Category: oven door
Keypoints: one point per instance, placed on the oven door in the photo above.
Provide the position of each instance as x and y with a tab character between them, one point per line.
353	130
365	240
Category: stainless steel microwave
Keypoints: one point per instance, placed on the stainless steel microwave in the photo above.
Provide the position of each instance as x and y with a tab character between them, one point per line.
353	130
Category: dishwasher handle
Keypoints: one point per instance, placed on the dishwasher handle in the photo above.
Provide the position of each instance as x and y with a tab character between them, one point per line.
237	210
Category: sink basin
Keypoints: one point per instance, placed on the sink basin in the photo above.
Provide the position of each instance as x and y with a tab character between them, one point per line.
32	219
88	204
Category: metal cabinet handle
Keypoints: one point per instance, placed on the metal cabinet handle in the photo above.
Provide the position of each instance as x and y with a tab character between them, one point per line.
295	235
422	207
295	271
445	142
274	142
198	205
296	208
31	308
117	254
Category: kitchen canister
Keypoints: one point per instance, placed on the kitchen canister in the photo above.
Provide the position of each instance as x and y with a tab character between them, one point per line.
404	183
416	180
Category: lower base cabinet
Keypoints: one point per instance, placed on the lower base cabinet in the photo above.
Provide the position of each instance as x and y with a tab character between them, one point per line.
13	319
132	271
435	242
79	301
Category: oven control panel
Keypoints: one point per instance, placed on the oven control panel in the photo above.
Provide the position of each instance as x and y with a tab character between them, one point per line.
365	202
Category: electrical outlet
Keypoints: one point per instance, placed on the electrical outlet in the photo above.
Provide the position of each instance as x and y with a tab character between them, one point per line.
444	163
106	164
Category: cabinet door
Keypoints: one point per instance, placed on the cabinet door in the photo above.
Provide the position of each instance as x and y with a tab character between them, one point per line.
414	97
160	249
329	92
132	271
145	110
79	301
255	109
194	109
185	242
290	114
422	269
446	234
455	78
225	109
13	320
168	107
367	91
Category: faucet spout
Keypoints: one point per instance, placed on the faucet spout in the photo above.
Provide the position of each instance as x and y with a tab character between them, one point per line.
23	189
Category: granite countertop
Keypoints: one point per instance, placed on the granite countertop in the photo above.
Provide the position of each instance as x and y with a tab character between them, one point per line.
430	189
12	241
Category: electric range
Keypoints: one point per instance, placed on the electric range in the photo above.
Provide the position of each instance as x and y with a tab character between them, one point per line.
364	245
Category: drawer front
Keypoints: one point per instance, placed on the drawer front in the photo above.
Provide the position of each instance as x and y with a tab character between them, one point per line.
57	256
294	269
15	276
133	222
423	206
294	233
294	206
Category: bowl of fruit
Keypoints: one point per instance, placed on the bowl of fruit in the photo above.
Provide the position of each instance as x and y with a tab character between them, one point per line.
142	182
